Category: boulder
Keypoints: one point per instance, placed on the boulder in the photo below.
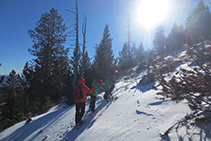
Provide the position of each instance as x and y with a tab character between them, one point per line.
147	79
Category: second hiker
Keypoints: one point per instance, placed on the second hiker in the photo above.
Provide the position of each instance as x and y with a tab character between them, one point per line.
110	83
97	85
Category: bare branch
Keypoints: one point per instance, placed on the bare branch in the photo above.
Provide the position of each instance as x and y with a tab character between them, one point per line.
71	11
70	26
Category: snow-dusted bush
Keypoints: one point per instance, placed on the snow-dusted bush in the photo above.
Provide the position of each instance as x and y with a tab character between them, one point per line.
192	83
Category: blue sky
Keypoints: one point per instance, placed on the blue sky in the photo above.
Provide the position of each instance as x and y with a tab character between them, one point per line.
19	16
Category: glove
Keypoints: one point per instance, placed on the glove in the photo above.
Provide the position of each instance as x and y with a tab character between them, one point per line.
93	88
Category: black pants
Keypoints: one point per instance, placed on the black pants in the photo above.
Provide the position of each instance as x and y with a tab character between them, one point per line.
92	103
108	92
80	109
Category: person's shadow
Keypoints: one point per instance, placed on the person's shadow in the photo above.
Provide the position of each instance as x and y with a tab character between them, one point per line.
89	119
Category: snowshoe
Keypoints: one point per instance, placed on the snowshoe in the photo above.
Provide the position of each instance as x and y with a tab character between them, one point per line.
92	111
79	124
111	98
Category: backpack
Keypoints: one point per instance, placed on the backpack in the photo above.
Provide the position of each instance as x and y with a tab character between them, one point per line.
79	93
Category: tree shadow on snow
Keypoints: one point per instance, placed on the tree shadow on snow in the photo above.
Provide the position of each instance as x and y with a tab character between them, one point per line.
202	130
41	123
89	120
165	138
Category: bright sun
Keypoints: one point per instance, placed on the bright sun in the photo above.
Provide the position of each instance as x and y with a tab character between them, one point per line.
152	12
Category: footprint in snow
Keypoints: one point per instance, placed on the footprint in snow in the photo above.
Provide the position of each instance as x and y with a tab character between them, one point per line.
45	138
140	112
157	103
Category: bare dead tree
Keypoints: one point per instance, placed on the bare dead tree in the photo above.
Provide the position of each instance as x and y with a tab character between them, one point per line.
77	48
84	42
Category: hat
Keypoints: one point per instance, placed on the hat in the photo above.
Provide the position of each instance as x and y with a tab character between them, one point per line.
81	81
101	82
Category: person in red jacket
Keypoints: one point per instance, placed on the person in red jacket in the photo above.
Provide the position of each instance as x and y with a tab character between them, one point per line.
113	72
80	98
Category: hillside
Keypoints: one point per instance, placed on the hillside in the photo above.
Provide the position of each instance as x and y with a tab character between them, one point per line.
135	114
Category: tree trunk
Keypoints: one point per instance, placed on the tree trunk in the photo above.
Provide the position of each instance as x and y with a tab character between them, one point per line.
77	49
84	42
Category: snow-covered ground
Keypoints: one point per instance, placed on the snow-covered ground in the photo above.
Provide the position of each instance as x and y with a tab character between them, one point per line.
136	114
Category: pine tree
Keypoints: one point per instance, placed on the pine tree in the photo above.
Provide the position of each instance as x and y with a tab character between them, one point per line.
13	103
199	22
140	53
123	61
141	57
47	73
85	63
94	72
159	41
175	39
104	54
73	61
88	74
134	52
127	57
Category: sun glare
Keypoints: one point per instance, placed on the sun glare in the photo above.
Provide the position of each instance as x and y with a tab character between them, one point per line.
152	12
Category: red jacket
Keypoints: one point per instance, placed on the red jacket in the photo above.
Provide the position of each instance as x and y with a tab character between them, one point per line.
113	73
85	90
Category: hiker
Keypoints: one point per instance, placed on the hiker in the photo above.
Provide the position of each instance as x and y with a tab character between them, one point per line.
107	89
110	82
112	75
80	98
97	85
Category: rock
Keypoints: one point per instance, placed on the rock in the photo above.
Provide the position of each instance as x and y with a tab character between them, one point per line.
147	79
29	120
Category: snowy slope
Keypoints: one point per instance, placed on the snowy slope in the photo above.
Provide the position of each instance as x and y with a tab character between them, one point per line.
134	115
